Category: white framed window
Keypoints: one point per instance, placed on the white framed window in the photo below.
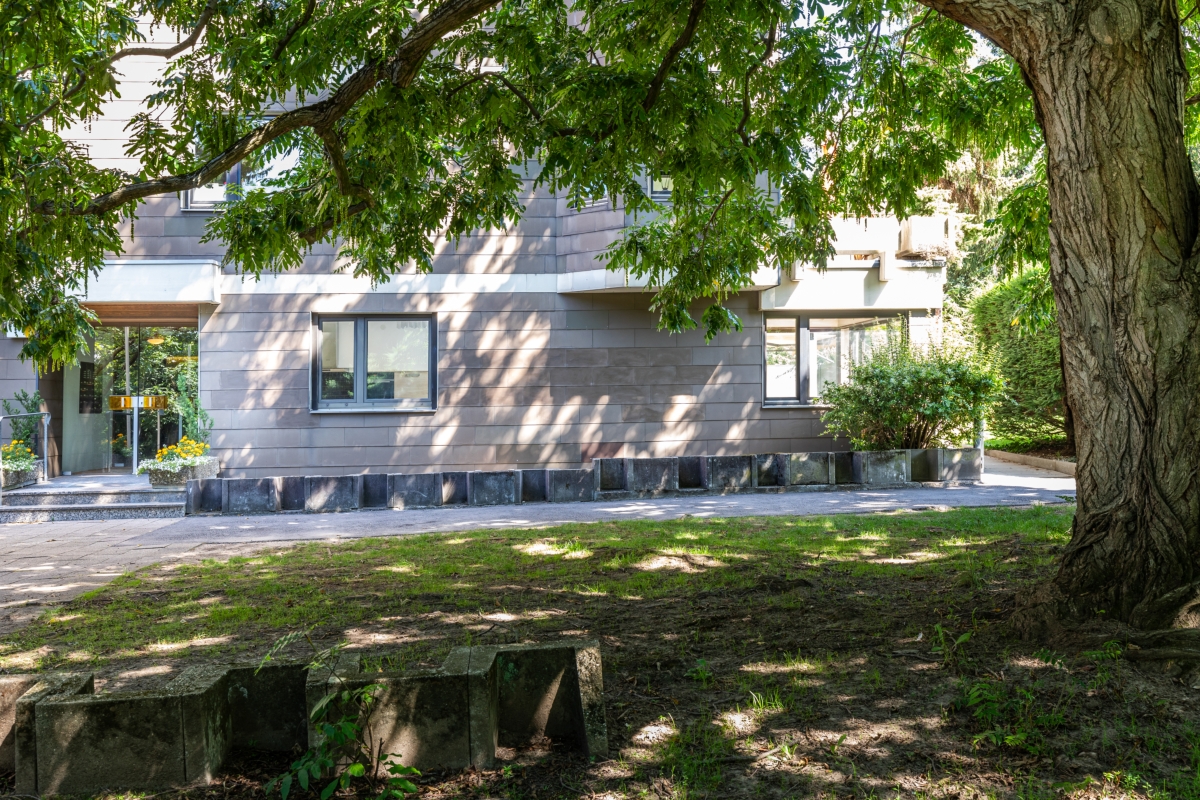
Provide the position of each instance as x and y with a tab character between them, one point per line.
374	362
803	354
588	203
660	189
206	197
256	173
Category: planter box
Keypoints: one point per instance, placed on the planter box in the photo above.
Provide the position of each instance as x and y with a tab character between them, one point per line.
251	496
961	464
809	469
652	476
880	467
167	477
725	473
16	478
333	493
420	490
944	464
925	465
569	485
495	488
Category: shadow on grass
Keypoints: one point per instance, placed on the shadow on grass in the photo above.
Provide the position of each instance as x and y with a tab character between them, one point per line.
760	657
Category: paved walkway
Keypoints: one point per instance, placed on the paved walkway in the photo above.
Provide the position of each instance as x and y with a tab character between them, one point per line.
46	563
91	482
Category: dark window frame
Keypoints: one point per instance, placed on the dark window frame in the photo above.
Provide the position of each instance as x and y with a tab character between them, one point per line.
360	403
803	320
802	397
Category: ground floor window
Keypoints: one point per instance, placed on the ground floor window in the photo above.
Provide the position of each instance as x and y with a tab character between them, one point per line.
374	363
804	354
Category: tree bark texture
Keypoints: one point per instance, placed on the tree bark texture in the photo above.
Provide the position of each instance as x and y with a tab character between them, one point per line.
1068	415
1108	82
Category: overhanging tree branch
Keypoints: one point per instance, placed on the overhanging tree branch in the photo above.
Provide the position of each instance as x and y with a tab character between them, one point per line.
166	52
483	76
337	160
400	69
171	52
682	41
319	231
1005	22
766	56
654	89
295	28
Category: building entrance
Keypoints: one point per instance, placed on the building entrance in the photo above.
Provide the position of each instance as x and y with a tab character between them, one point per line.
120	362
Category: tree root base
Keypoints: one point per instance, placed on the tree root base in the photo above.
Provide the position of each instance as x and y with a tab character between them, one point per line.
1045	614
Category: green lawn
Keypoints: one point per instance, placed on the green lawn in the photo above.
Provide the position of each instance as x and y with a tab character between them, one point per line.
759	657
244	602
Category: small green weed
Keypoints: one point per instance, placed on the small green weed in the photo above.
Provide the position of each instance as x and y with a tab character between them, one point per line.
766	701
947	646
1010	716
346	752
693	758
701	673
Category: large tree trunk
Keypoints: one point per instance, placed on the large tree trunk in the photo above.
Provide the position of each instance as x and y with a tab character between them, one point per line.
1068	415
1108	81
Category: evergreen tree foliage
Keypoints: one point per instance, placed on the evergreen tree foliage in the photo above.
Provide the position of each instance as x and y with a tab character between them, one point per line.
1028	358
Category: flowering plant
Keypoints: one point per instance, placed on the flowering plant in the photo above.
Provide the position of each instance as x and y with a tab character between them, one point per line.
16	456
186	448
120	446
177	457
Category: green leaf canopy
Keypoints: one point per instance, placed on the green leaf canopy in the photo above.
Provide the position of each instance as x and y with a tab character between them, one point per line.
408	120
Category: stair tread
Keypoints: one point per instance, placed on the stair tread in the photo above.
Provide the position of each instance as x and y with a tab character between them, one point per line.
46	499
90	506
27	492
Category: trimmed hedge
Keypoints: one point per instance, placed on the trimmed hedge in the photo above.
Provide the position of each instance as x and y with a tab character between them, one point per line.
1031	404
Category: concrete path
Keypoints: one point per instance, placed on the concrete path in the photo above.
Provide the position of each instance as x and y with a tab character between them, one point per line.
47	563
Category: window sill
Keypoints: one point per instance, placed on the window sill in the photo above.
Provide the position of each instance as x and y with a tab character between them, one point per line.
188	210
372	411
768	404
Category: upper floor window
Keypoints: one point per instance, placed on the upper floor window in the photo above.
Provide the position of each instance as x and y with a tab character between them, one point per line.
260	172
586	203
802	355
660	189
374	363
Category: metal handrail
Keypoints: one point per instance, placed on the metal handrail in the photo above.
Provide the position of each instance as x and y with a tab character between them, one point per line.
45	415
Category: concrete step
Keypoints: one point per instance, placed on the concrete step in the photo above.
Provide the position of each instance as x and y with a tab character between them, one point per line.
99	497
65	512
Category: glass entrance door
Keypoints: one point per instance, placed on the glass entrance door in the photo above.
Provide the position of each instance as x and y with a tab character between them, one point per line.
128	361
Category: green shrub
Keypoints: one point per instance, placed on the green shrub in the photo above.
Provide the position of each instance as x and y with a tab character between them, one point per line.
1031	405
901	397
27	429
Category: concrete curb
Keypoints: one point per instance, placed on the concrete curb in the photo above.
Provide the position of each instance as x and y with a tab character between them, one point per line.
1052	464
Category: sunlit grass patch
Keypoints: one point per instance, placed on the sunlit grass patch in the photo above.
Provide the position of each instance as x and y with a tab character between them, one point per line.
790	657
244	601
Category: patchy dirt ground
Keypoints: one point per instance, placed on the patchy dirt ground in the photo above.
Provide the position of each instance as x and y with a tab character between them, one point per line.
860	656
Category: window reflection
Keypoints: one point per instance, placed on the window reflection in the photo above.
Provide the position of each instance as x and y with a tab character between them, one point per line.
397	359
836	345
337	360
782	358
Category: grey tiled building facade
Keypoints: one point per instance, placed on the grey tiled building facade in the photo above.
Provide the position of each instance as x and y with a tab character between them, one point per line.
519	349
